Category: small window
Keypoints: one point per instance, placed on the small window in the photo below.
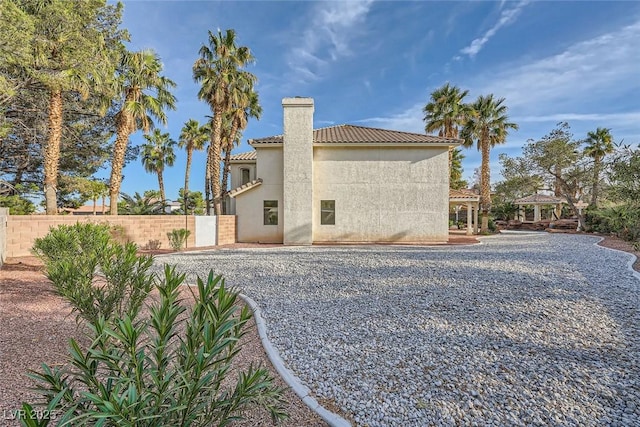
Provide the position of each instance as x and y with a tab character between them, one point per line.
270	212
327	212
246	176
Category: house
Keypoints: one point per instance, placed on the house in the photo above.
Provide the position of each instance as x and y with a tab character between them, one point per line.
341	184
87	210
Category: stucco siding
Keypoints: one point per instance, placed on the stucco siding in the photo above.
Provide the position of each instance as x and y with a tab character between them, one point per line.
249	205
236	179
382	194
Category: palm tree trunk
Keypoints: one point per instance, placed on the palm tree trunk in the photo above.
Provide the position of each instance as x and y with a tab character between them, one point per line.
52	152
225	177
103	202
95	199
207	185
214	160
596	178
161	186
485	186
187	172
123	130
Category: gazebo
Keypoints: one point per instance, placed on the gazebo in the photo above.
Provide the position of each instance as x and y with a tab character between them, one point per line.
472	202
538	201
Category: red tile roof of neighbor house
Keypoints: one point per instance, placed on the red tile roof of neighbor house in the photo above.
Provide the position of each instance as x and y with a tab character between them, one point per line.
350	134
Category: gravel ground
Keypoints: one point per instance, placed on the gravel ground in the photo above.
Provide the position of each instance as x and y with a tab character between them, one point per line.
524	329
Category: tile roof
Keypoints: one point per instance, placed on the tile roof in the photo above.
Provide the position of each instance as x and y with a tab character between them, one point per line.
249	155
246	187
539	199
463	194
350	134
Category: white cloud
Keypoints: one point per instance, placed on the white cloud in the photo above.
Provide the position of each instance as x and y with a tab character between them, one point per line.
629	117
409	120
507	17
590	71
327	37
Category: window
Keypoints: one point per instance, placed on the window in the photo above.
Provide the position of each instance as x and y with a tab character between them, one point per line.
246	176
327	212
270	212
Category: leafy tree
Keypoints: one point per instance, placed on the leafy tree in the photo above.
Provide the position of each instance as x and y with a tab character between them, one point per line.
140	205
518	179
71	41
17	204
192	137
624	175
157	153
559	159
599	144
219	70
145	94
488	123
195	202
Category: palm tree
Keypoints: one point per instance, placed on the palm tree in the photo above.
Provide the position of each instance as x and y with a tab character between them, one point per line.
140	205
219	71
192	137
246	105
600	143
488	123
157	153
145	95
446	112
455	172
97	189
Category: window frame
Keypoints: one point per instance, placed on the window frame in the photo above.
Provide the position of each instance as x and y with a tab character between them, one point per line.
242	172
267	212
331	220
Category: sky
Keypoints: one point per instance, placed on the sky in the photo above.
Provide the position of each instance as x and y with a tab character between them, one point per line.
375	63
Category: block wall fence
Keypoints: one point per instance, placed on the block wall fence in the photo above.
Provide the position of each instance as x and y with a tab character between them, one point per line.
22	230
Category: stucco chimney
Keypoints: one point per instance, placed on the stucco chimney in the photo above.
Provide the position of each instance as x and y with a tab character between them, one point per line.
298	171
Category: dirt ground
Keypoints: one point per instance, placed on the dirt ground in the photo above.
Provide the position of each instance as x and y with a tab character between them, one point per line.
36	324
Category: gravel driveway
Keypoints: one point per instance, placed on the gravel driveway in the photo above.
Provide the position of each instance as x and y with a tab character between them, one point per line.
522	329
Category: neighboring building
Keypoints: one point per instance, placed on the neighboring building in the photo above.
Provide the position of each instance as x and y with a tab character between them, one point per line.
341	184
87	210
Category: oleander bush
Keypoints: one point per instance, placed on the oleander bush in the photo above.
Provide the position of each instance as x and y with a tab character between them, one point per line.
169	367
96	274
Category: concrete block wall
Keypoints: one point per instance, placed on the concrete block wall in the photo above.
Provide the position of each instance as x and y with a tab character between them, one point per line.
226	229
22	230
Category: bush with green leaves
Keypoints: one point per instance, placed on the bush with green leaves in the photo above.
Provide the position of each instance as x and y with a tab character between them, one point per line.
97	275
167	368
178	238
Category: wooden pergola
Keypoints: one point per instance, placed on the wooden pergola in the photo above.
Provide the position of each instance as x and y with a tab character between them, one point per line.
538	201
471	200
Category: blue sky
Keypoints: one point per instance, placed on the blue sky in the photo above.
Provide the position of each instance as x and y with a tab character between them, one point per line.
375	64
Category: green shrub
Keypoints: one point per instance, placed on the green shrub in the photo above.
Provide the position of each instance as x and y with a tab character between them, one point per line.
178	238
97	275
167	368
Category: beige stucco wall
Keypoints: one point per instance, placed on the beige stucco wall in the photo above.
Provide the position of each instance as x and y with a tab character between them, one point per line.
382	194
236	179
298	170
249	205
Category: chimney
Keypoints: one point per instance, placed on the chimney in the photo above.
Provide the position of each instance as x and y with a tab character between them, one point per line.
297	153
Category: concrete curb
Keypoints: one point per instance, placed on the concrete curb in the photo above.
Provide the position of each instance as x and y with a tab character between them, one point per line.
334	420
632	260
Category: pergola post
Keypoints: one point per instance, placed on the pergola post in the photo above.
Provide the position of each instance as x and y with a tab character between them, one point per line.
469	224
536	213
475	219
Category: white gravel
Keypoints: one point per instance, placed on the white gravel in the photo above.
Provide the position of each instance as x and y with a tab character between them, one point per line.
524	329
